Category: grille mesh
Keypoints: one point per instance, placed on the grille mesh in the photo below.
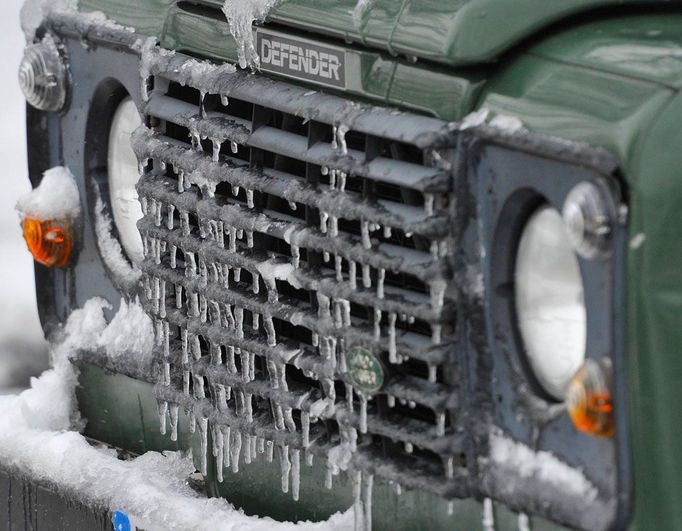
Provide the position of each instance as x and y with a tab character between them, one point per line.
282	228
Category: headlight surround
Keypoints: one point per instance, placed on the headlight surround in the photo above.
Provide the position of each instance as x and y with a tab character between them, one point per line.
123	176
550	302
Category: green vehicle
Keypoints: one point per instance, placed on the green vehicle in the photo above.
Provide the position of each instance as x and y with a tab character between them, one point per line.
418	258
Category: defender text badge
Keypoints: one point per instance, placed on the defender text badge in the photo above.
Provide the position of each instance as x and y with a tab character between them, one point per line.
301	58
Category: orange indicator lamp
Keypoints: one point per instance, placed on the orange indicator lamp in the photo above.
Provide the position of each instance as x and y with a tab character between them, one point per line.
589	399
50	242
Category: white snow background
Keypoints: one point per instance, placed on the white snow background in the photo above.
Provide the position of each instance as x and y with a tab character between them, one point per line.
23	352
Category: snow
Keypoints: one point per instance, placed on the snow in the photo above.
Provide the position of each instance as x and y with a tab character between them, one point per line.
131	332
241	14
55	198
110	248
539	467
34	11
508	124
23	351
37	437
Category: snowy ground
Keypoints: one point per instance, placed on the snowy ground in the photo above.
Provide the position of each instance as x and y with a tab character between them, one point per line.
22	348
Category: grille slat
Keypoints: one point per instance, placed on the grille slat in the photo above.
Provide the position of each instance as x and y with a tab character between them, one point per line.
285	229
238	173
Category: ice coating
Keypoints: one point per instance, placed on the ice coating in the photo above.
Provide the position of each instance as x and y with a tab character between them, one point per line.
130	333
241	14
110	249
56	197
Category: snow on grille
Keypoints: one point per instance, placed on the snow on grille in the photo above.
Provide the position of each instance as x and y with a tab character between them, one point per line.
283	227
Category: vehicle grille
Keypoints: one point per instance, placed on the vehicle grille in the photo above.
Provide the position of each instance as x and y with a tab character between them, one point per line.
282	228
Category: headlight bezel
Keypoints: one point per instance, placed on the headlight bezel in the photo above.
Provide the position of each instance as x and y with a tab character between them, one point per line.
507	176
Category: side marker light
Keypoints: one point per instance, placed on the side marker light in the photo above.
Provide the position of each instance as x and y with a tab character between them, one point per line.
589	399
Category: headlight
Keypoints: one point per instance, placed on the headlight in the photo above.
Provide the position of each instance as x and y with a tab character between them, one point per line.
123	176
550	301
43	76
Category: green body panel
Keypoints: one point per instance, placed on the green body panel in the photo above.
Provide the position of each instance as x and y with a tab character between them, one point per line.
457	32
611	83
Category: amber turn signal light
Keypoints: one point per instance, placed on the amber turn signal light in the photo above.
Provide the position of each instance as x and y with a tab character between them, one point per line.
589	400
50	242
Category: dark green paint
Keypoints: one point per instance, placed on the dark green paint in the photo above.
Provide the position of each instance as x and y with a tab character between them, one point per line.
610	82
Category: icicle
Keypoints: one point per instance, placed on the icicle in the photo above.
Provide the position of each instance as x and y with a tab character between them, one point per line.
363	413
433	373
409	448
366	241
341	131
227	447
411	404
235	450
390	400
270	330
269	450
342	181
249	201
380	283
216	150
488	515
450	467
392	348
387	232
324	216
366	276
234	147
332	179
352	274
203	432
326	256
218	453
163	410
377	324
235	190
237	274
309	456
285	465
247	450
292	205
224	100
398	489
181	182
295	473
524	523
451	508
440	423
349	397
173	413
256	321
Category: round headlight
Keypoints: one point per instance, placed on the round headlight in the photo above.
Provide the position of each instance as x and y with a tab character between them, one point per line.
550	301
43	75
123	176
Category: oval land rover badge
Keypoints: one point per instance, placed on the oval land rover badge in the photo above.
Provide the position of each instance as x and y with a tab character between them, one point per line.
364	370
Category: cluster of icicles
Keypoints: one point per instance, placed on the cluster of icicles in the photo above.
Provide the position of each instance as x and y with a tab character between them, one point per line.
229	443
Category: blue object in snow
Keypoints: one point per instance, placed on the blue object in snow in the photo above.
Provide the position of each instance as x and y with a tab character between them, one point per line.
121	521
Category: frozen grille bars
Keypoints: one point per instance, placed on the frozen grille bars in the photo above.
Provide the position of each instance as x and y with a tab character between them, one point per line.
297	266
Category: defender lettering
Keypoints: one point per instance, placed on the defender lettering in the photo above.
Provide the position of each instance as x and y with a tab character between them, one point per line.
301	59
